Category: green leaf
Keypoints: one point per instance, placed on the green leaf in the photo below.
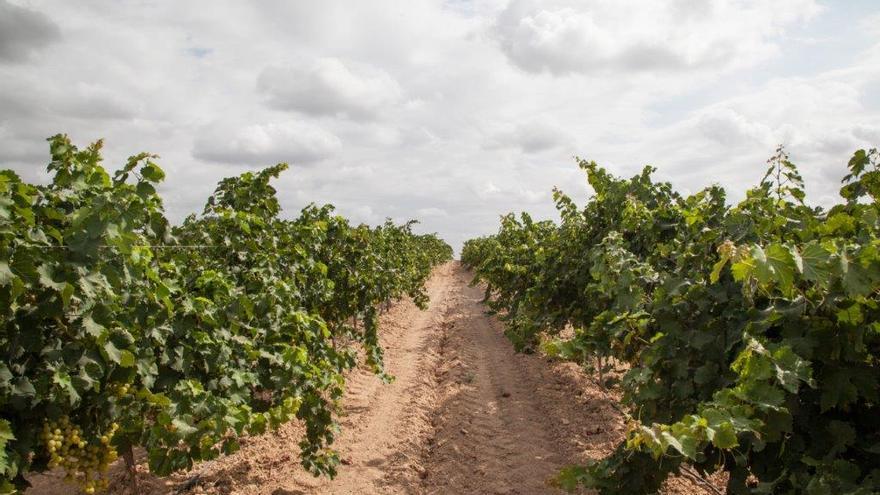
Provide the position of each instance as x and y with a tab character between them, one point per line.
838	389
783	266
126	359
717	267
840	224
63	380
5	376
66	294
856	280
723	436
570	477
5	436
706	373
763	269
152	172
114	354
92	327
6	275
684	444
842	435
183	428
851	315
816	262
743	269
761	394
791	370
46	278
23	388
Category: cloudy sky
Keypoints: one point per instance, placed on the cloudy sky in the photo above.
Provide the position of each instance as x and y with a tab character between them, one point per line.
451	112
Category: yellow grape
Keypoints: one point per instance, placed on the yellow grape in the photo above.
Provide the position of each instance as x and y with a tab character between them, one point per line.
83	461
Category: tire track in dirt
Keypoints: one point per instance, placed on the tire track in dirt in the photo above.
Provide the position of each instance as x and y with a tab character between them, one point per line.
496	428
491	434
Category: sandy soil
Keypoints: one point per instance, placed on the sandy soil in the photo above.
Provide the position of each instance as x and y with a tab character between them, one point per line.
465	414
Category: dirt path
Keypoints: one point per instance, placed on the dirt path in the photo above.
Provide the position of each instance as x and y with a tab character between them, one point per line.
462	415
494	433
465	414
384	423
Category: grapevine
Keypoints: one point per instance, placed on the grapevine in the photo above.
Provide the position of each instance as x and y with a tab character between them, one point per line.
121	330
747	334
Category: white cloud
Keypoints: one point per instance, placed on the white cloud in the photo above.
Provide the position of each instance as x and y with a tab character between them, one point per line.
871	23
487	190
23	32
327	86
517	194
729	128
431	212
820	120
530	136
265	144
353	173
91	101
570	36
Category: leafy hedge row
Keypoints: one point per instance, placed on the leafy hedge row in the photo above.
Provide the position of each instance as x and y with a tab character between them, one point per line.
750	332
121	330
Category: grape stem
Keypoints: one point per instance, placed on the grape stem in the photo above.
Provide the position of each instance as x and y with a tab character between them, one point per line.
131	467
689	472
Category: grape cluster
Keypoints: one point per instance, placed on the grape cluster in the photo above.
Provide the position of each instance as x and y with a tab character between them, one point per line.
119	390
84	462
730	250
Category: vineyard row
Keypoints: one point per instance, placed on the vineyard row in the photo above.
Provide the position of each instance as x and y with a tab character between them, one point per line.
743	338
121	330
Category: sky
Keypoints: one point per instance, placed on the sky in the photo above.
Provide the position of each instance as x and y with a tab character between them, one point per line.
450	112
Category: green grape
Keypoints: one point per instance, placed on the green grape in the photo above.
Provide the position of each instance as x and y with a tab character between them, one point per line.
84	463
